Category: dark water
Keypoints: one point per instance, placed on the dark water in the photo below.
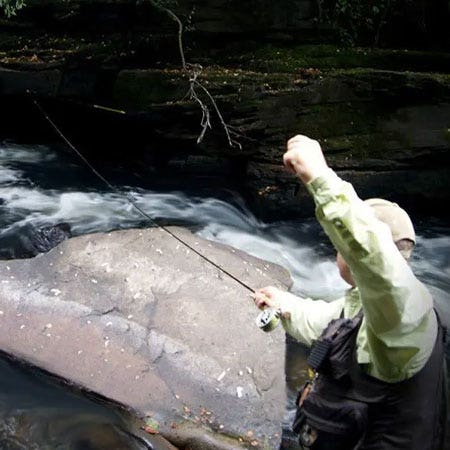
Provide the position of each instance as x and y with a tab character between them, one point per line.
38	414
42	186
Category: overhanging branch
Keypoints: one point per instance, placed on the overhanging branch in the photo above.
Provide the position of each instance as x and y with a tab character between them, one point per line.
193	72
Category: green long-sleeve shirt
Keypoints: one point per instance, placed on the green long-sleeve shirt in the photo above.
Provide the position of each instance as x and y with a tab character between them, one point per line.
399	328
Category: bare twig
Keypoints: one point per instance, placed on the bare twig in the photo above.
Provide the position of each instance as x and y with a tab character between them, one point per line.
176	19
193	72
231	142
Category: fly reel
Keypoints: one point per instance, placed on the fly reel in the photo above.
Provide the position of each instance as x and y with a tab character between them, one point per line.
268	319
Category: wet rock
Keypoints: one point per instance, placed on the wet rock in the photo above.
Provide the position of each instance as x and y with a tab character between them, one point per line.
417	190
29	241
140	319
49	237
13	82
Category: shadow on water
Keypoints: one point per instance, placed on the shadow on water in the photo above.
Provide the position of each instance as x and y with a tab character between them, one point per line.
41	186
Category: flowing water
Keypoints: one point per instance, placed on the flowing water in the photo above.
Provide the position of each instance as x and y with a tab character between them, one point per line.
42	186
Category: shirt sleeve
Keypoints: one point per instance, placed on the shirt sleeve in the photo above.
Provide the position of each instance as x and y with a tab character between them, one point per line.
304	318
398	309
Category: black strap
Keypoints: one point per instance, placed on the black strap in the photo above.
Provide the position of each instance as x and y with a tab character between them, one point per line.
358	316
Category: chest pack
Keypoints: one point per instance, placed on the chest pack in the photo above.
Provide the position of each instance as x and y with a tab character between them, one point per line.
330	421
332	354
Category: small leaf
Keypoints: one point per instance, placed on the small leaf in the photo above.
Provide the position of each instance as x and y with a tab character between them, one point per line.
151	426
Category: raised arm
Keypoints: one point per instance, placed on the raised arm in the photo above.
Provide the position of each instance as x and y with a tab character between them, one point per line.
401	327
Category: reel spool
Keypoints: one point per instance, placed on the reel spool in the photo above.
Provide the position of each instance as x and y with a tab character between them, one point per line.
268	319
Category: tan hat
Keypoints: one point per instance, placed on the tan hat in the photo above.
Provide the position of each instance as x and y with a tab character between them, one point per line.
394	217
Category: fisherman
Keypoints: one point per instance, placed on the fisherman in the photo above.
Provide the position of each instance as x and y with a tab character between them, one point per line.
377	353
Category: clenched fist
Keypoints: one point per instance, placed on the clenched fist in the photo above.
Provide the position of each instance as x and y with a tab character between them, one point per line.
271	297
304	157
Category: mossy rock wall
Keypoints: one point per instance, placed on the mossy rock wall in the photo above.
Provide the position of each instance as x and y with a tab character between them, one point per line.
369	122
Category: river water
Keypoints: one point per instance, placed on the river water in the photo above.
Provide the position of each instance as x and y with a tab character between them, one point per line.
45	185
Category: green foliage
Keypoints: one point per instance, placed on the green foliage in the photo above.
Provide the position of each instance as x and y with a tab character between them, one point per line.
359	20
11	6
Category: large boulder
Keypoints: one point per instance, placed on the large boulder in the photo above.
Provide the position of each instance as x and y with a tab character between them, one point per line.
138	318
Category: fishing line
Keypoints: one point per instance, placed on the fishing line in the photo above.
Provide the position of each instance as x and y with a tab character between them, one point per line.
130	199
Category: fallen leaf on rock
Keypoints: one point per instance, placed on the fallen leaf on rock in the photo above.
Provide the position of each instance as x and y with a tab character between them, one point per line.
151	426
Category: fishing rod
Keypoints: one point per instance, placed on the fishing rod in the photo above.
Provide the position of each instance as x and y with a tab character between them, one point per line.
128	196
